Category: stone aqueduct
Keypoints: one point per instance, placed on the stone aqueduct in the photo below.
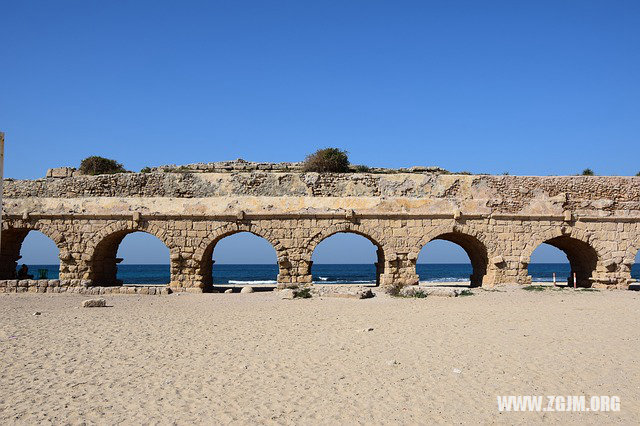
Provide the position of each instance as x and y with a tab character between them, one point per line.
498	220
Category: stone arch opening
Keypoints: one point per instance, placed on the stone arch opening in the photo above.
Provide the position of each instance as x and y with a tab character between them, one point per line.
222	256
347	257
547	260
148	253
442	261
44	253
582	258
475	251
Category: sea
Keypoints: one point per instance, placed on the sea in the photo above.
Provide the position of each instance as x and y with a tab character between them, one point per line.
322	273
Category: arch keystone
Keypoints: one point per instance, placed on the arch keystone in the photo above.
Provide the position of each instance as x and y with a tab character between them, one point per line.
350	215
567	216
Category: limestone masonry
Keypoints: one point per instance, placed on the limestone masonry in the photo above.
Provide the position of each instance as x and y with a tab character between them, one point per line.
498	220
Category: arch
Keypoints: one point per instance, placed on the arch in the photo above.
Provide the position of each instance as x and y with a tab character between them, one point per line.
634	262
470	241
582	255
13	235
104	248
546	262
441	261
347	228
261	268
203	254
125	228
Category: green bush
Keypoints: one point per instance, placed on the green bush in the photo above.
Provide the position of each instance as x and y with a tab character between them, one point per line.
534	287
145	170
303	293
419	294
96	165
361	168
638	174
394	289
328	160
588	172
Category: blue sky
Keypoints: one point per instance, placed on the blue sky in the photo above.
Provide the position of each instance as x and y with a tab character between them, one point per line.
537	87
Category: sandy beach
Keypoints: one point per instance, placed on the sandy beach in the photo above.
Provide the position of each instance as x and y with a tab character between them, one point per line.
254	358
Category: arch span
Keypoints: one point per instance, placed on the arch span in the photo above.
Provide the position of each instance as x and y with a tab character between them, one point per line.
473	246
12	239
582	256
104	260
347	228
204	254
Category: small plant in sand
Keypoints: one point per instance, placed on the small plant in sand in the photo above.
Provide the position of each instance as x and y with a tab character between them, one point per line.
533	287
394	289
302	293
466	292
411	292
419	294
327	160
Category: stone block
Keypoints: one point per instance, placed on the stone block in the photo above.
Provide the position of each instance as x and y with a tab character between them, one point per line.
60	172
94	303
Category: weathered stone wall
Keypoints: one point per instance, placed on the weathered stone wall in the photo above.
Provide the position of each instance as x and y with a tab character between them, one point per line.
71	286
498	220
499	193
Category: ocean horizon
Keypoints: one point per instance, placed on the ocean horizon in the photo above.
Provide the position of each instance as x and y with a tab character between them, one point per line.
322	273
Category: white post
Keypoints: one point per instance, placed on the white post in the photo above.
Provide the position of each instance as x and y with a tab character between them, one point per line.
554	279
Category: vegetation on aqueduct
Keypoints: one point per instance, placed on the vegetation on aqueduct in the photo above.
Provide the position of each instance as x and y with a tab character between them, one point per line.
96	165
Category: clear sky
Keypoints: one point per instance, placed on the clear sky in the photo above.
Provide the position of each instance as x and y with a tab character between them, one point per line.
525	87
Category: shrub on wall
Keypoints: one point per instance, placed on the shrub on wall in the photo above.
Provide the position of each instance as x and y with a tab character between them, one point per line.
361	168
327	160
588	172
96	165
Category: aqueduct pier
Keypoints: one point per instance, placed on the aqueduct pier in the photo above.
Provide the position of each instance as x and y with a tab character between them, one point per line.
498	220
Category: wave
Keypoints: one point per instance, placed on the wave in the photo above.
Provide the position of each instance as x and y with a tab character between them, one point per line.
445	280
345	281
253	282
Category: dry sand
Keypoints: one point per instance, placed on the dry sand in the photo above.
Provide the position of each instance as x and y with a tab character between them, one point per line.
254	358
